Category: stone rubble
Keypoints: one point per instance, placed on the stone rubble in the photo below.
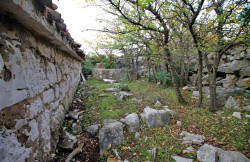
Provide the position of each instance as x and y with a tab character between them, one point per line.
111	90
110	134
209	153
109	81
231	104
189	149
91	130
123	95
157	104
133	122
67	140
237	115
155	118
181	159
189	138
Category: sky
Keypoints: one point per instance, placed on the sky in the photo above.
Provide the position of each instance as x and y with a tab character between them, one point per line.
78	17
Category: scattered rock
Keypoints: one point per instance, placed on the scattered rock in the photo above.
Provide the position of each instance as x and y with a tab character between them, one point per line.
116	154
178	123
146	138
158	83
110	134
123	95
111	90
103	95
132	120
189	149
189	88
181	159
155	118
136	100
247	116
154	151
195	94
209	153
171	112
74	114
67	140
247	108
91	130
237	115
137	135
76	128
157	104
109	81
189	138
232	104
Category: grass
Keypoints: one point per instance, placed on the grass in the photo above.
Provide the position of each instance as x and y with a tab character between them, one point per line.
223	131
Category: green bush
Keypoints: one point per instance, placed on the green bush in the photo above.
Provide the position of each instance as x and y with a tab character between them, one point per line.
109	64
87	66
164	78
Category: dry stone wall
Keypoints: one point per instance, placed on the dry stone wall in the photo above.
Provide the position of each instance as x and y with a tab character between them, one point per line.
37	84
115	74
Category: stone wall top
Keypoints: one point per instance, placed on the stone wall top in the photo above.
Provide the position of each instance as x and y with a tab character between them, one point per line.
40	17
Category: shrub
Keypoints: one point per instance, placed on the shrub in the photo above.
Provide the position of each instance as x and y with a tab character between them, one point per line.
164	78
87	66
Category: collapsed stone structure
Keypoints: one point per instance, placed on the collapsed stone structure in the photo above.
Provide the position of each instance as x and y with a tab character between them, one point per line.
233	71
40	67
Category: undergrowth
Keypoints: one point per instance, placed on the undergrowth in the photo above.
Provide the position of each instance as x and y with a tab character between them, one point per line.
220	129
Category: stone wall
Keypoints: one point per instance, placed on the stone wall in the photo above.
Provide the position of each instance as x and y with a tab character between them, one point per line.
38	78
115	74
233	71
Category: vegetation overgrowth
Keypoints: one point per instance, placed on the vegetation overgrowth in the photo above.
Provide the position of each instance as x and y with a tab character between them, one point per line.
220	129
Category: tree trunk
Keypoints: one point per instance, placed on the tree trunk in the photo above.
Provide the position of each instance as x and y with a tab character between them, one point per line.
200	79
182	74
174	78
212	88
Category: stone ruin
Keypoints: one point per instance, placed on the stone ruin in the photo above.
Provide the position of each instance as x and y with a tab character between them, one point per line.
40	67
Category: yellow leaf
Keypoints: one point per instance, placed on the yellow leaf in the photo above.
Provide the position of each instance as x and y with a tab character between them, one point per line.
117	35
171	147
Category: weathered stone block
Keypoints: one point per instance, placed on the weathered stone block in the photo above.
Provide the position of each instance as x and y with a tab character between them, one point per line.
51	73
34	108
48	96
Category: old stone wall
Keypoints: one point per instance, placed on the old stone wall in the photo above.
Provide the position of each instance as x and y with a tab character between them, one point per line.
115	74
38	79
233	70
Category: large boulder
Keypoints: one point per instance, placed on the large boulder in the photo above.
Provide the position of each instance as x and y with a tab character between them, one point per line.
231	104
209	153
155	118
133	122
110	134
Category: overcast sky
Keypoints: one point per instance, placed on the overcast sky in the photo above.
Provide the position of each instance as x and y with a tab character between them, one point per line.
78	17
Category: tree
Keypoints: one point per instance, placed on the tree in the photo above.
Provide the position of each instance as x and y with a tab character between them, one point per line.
215	27
152	16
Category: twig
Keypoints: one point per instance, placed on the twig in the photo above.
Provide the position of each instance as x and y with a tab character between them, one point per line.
75	152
